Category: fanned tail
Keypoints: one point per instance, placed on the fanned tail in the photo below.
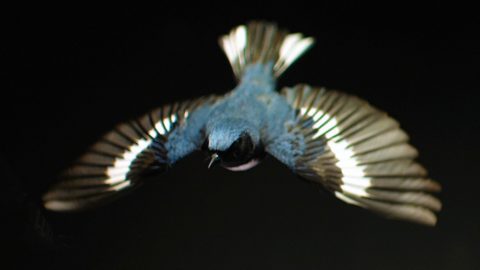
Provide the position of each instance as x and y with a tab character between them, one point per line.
262	42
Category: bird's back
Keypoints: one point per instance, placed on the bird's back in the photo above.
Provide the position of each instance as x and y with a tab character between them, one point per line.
256	101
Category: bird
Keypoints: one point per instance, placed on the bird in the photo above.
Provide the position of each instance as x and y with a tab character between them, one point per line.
356	152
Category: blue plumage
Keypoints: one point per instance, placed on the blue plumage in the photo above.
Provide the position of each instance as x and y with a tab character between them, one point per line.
254	107
248	108
339	141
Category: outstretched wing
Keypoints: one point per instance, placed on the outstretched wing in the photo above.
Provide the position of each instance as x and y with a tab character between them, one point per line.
126	155
358	153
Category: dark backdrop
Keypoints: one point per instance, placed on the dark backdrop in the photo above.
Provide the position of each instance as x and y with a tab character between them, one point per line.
76	71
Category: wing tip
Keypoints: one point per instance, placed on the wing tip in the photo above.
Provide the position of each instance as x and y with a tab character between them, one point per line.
397	211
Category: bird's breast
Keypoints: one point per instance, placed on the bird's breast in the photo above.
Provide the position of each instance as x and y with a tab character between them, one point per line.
243	167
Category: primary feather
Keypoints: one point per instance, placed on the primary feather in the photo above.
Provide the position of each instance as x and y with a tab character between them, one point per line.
123	157
360	154
355	151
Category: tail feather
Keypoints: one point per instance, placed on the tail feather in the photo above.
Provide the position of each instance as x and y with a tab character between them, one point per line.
261	42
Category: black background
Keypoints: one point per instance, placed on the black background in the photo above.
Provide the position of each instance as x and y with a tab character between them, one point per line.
76	71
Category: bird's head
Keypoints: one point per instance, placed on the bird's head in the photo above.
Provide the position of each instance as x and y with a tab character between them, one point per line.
234	144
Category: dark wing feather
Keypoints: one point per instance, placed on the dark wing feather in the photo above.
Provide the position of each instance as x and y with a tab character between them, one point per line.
121	159
361	155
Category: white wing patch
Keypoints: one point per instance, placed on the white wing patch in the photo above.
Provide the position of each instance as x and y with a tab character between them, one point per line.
116	162
366	159
118	172
113	174
354	180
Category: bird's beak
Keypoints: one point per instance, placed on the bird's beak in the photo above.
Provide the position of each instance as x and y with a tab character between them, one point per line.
215	159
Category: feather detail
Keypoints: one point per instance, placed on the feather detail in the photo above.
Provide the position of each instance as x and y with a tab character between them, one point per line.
261	42
120	160
361	155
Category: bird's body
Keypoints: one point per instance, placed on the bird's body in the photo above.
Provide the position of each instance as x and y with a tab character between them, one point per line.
355	151
254	106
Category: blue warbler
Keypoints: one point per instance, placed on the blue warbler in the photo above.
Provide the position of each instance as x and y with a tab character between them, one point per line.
340	141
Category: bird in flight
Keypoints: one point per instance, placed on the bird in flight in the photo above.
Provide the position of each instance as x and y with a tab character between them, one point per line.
355	151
